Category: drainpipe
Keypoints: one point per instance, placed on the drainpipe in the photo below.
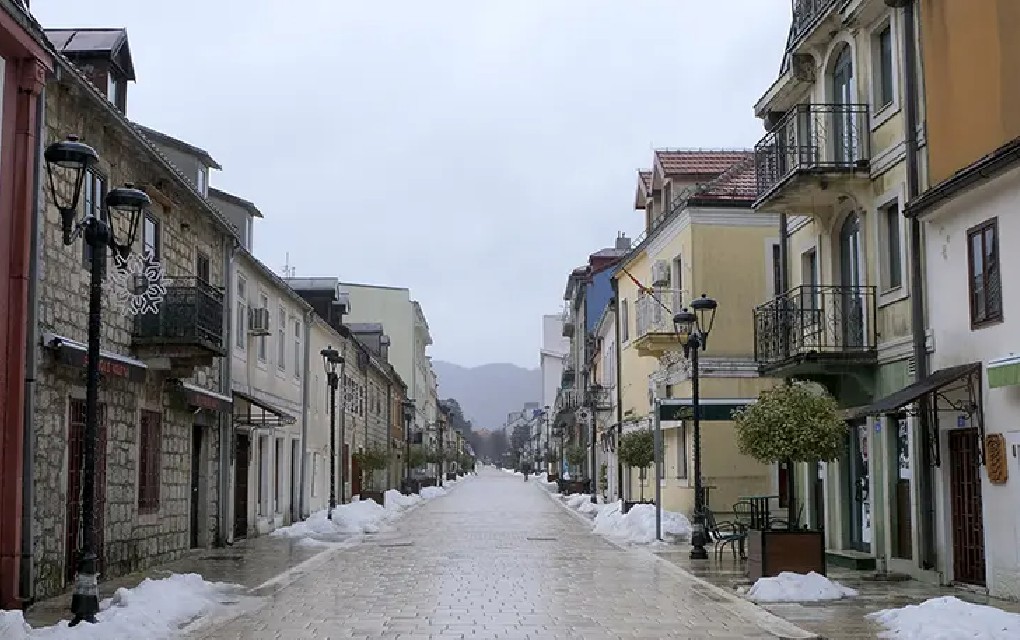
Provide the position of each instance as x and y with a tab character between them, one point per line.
619	388
305	413
921	364
27	573
389	433
225	535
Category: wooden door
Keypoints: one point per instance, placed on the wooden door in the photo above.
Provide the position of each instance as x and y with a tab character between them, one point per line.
243	446
355	476
966	516
75	460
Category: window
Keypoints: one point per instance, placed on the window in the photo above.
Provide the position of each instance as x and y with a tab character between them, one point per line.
93	193
115	90
884	67
624	321
150	449
315	474
809	280
263	304
263	486
200	180
150	236
777	270
278	476
297	349
202	267
681	451
241	322
281	340
892	267
678	278
985	286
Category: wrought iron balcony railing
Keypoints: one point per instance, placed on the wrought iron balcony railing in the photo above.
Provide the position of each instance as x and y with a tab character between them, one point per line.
813	138
655	310
815	321
191	314
600	398
806	16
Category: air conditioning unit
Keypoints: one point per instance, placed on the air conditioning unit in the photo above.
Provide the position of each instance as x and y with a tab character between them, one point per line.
660	273
258	322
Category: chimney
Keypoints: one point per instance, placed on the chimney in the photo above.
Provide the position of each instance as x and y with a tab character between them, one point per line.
622	242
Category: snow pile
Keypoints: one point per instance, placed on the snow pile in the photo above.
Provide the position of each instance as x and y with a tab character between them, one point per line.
152	610
947	618
393	500
575	500
797	587
637	526
431	493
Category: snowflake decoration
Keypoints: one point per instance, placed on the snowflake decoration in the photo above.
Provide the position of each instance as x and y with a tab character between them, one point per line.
138	283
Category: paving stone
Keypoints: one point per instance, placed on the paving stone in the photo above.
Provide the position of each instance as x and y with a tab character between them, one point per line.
472	572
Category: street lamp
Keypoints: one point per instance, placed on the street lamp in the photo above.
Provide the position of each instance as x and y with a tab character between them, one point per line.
66	163
331	358
441	426
696	325
409	410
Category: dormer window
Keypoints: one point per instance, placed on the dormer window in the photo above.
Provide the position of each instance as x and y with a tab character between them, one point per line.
200	181
115	87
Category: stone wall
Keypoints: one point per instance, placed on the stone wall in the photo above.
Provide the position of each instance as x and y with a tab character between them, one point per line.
132	541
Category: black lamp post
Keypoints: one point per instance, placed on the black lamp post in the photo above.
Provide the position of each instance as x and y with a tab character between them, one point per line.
408	407
696	325
441	427
66	162
331	358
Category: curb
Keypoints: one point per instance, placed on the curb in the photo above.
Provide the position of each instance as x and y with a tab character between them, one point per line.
766	620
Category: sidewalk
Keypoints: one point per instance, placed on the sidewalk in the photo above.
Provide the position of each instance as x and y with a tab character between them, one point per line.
260	564
842	619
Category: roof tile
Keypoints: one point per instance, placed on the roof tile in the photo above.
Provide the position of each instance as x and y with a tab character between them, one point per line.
697	162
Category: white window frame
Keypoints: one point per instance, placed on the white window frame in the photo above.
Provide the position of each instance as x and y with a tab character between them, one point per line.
263	347
624	321
298	327
281	338
241	322
202	180
880	114
770	279
888	296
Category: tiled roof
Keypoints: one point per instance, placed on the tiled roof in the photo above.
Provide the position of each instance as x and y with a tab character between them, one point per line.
645	180
738	182
697	162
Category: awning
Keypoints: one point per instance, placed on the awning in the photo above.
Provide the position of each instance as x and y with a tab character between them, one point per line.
254	412
201	398
1003	372
719	409
75	354
913	392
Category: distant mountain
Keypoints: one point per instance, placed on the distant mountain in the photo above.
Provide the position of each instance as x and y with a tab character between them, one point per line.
489	392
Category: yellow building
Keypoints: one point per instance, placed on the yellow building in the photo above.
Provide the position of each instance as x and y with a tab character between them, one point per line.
835	164
701	236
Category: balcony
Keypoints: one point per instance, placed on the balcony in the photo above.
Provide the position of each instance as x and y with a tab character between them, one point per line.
600	398
807	16
568	377
812	154
568	323
816	329
654	330
187	331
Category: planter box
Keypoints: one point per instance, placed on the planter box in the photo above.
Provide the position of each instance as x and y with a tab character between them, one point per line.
409	486
451	475
627	504
373	495
772	551
428	481
553	477
573	486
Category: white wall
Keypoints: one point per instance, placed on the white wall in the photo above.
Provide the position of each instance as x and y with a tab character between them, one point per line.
956	343
553	354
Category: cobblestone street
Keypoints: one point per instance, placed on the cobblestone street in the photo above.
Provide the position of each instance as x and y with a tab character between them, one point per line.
496	558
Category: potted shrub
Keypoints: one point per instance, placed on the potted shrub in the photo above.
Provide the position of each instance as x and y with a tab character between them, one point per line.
450	457
575	455
637	451
415	460
432	456
794	422
370	460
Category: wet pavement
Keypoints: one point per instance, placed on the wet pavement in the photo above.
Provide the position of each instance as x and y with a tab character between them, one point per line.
840	620
260	565
496	558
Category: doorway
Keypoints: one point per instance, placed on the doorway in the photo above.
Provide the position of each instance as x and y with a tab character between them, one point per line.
75	459
241	464
852	330
196	479
966	518
844	133
859	477
295	480
355	477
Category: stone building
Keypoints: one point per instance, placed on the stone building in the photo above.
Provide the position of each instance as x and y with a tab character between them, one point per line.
163	411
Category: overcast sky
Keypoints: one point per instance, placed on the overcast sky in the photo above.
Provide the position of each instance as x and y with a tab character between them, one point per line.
474	151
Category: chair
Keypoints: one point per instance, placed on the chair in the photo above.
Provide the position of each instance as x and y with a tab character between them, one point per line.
724	533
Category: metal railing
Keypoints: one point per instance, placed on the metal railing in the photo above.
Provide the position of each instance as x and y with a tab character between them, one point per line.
815	319
191	313
806	16
568	322
600	398
813	137
655	310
